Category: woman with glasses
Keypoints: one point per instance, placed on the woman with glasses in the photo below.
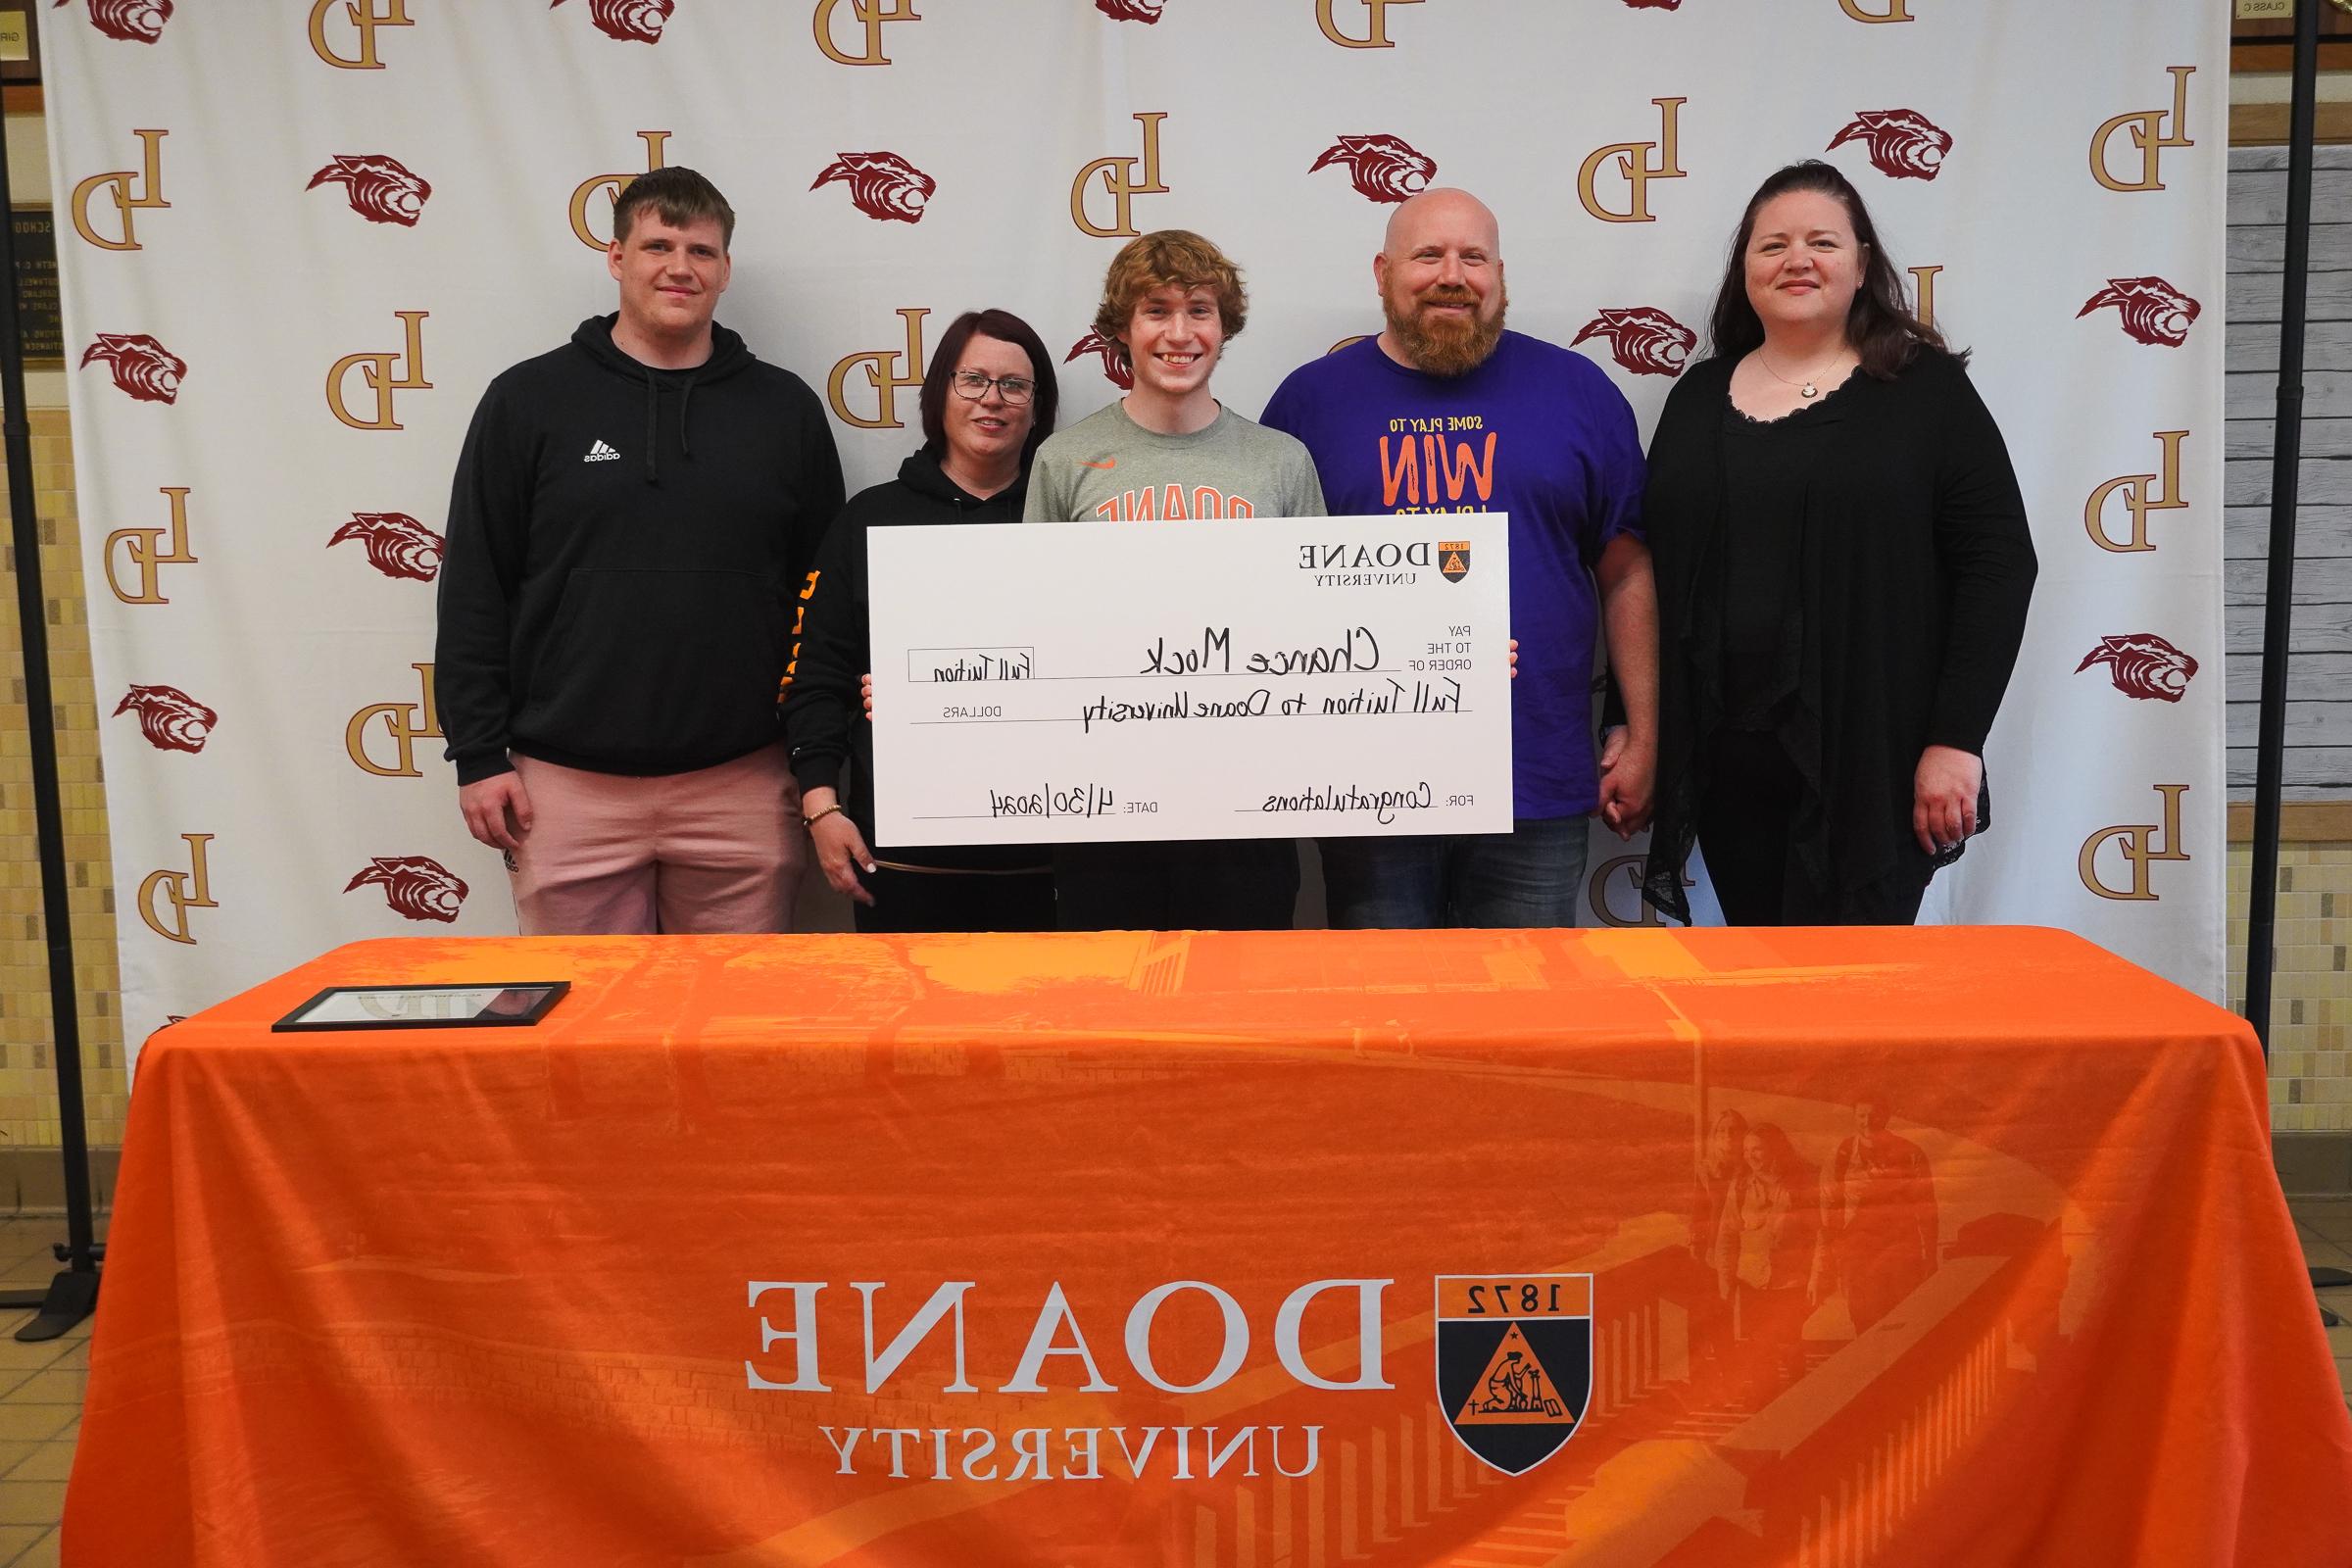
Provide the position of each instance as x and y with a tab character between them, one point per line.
988	403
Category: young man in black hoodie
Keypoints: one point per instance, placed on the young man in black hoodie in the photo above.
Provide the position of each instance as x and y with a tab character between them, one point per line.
632	518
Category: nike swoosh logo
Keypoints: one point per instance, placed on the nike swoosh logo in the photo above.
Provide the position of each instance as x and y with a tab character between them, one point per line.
1107	463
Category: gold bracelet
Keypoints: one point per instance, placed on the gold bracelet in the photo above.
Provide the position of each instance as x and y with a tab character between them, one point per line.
812	818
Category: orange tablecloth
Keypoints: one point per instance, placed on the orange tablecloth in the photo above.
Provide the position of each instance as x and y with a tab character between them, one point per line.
1302	1248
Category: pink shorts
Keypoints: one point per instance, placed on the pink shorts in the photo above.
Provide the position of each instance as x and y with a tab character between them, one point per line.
718	849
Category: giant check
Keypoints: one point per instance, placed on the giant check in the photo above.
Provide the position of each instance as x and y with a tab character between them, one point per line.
1261	678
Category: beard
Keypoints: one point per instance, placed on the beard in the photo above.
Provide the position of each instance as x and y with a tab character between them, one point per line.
1444	346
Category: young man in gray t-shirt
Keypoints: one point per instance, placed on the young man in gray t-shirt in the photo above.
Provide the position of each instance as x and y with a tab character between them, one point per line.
1169	452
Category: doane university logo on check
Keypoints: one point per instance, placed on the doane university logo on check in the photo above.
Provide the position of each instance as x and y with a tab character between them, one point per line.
1514	1355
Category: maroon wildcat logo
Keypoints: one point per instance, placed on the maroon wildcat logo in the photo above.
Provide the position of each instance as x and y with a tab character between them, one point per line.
2152	310
131	20
1145	11
1387	168
415	886
169	718
141	367
1645	341
2143	665
1115	369
398	545
1654	4
378	187
629	20
884	185
1904	144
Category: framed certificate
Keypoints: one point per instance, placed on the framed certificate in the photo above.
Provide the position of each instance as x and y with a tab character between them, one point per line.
40	321
21	43
424	1006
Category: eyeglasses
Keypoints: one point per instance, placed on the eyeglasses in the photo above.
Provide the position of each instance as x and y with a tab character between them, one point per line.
1013	389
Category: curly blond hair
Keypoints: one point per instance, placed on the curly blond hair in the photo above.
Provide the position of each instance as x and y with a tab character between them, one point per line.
1167	257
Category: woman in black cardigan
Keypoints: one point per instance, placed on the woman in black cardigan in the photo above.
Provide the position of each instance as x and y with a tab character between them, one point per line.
988	403
1843	568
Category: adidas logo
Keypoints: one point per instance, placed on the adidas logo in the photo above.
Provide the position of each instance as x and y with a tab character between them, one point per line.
601	453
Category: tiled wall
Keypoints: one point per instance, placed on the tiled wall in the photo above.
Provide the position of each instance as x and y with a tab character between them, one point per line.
2311	988
27	1075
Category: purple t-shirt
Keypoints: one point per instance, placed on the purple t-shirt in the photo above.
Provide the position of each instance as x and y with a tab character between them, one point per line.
1538	431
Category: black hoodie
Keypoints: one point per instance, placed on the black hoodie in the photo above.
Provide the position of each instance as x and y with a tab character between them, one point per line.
825	718
624	546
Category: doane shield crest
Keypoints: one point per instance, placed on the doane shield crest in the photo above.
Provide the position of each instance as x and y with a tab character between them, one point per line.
1453	558
1515	1363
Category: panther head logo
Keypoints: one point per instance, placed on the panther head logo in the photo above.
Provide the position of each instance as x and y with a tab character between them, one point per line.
2143	665
1903	143
2151	311
141	367
398	545
378	187
1144	10
1114	368
131	20
1387	168
629	20
415	886
169	718
884	185
1645	341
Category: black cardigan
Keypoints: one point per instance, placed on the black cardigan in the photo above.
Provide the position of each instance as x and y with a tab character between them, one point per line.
824	719
1914	570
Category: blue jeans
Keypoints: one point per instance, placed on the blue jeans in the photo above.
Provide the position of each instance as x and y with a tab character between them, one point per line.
1531	876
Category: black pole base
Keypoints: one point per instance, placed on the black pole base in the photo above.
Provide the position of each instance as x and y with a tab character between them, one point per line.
2329	1279
71	1297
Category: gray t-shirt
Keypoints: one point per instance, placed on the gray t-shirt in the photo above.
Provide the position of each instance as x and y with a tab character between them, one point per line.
1108	467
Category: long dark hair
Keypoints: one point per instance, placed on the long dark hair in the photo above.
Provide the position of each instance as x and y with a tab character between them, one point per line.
1879	324
1004	327
1781	1162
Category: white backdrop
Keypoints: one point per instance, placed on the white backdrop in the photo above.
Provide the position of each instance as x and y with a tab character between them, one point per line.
285	206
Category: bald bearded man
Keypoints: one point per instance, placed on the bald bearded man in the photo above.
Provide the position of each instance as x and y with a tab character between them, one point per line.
1530	428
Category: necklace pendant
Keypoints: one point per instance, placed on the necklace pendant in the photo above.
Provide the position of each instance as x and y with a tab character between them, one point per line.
1809	390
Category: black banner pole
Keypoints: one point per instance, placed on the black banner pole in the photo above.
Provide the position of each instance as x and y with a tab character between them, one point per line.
2286	451
73	1292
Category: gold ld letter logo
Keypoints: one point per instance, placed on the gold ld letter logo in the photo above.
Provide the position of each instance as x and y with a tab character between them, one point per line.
1626	872
362	15
144	550
1119	178
1894	11
2140	847
126	202
2136	498
378	375
2147	134
1923	288
871	14
882	374
1375	38
184	891
1634	165
588	187
408	722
